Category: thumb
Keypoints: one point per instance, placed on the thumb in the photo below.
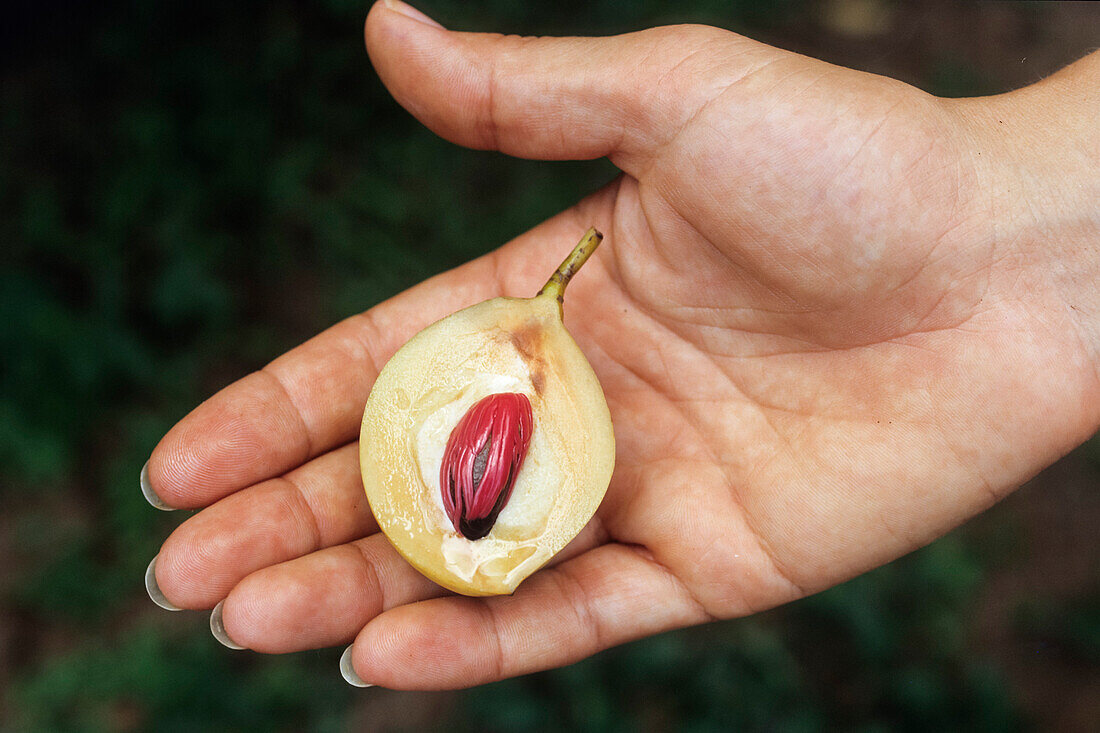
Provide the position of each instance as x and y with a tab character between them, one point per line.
554	98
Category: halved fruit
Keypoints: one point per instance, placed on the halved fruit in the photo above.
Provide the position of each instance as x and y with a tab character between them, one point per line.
486	443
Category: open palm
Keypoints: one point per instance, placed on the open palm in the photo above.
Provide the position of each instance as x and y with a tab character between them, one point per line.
813	343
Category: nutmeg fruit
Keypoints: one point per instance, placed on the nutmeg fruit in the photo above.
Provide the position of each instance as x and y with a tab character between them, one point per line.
486	443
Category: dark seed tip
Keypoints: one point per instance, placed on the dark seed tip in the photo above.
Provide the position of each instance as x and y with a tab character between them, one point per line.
475	529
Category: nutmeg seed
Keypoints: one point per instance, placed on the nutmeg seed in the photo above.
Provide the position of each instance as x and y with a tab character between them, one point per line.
482	460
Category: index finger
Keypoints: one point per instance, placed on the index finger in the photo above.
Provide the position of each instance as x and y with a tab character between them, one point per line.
311	399
306	402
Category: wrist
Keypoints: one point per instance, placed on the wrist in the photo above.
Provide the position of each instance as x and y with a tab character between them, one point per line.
1036	154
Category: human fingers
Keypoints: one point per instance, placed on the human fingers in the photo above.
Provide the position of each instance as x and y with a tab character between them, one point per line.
555	98
607	596
327	597
318	505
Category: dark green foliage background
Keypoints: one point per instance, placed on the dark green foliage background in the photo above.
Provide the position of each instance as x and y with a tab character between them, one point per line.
189	189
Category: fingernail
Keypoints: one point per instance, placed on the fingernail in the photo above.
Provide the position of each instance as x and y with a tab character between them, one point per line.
348	671
149	494
153	589
410	12
217	628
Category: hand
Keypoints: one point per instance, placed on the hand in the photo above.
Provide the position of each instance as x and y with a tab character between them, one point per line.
825	335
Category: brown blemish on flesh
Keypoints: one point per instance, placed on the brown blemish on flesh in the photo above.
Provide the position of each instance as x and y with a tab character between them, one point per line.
528	341
538	381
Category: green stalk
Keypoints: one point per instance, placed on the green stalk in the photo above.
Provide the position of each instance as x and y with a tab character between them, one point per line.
555	286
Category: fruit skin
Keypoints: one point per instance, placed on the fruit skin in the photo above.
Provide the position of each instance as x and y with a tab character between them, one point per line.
522	342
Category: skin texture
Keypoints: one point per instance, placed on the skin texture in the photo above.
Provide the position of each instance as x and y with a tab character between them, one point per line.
833	316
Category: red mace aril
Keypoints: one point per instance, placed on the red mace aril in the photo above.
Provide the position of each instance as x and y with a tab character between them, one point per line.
482	460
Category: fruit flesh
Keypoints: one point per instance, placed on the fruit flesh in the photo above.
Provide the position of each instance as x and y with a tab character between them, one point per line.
501	345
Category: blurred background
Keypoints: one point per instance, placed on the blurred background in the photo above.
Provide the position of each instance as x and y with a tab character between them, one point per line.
187	189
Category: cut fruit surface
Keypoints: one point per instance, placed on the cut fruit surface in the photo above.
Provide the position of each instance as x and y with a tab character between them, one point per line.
503	346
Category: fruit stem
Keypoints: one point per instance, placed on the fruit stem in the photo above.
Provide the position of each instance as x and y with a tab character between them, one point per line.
555	286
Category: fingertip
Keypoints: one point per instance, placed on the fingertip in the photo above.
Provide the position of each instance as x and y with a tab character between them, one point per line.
152	587
391	15
247	432
217	628
347	669
150	495
409	12
432	645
